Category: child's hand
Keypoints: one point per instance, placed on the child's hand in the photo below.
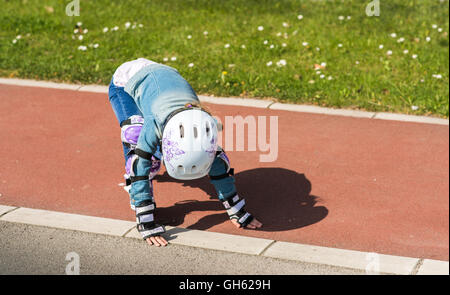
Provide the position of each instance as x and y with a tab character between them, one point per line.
157	241
254	224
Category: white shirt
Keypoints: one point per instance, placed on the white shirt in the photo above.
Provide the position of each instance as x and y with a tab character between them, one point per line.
127	70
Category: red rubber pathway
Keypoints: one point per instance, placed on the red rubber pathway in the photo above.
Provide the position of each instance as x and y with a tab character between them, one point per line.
351	183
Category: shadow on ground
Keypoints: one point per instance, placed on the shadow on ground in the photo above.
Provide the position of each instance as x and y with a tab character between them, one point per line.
279	198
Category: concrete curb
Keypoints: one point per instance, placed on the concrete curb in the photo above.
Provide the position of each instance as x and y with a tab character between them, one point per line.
247	102
370	262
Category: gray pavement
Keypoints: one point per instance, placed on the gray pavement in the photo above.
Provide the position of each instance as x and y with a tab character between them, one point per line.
30	249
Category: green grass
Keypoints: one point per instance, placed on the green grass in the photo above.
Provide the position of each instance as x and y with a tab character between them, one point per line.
362	75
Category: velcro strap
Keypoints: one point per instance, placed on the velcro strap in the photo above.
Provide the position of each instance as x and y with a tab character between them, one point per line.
236	208
244	218
143	154
156	230
231	201
145	209
138	178
225	175
145	218
136	119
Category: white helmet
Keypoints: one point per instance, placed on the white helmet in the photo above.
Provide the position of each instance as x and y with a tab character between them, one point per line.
189	143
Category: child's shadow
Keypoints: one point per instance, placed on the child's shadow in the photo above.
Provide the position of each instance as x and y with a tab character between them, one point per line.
279	198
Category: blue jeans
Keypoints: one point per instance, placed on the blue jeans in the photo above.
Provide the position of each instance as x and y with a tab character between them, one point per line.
124	107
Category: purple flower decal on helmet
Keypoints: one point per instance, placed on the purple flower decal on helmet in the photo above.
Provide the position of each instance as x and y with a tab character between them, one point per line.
170	148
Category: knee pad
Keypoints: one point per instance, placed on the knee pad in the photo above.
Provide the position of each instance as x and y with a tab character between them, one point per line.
229	171
130	130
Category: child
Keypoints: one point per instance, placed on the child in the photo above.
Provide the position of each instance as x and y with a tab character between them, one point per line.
161	119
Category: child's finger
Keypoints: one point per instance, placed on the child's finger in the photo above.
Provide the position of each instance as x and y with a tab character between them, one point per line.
149	241
155	242
161	241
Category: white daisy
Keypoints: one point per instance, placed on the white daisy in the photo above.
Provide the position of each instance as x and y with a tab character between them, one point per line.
440	30
14	41
260	28
414	56
285	24
322	76
189	36
389	52
305	43
166	59
82	48
381	46
79	24
96	45
191	65
300	16
227	45
85	31
281	63
265	42
205	33
269	63
394	35
428	39
341	17
80	37
330	78
105	29
283	44
434	26
406	51
173	58
243	46
127	25
400	40
414	108
340	45
438	76
271	46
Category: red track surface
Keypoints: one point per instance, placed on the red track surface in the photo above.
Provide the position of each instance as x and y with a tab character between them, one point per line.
351	183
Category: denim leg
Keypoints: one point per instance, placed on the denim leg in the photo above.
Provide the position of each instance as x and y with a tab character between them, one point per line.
124	107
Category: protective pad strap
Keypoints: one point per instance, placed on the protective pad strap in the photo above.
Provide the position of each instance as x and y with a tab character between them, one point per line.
147	231
143	154
221	176
235	209
145	220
